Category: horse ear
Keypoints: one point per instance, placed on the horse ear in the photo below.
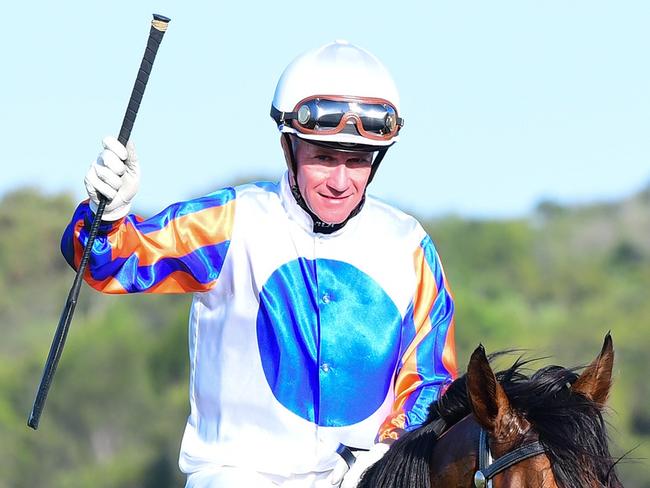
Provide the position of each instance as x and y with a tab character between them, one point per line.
596	380
489	401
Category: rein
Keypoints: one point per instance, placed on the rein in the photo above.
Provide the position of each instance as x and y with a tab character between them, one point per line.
488	469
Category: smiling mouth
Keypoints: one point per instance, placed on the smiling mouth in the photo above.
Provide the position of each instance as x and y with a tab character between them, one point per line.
334	197
335	200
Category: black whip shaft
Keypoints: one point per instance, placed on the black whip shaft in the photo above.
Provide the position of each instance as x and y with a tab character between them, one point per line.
158	28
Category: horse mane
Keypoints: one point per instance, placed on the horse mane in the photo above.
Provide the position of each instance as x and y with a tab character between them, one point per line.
570	426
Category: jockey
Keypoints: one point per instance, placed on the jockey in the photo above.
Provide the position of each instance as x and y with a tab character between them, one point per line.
321	316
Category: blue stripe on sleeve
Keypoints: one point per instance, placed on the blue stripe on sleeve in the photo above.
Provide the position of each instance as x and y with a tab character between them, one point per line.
136	278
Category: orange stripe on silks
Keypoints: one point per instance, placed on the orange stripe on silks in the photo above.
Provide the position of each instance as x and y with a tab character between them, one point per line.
388	434
109	285
407	382
427	290
392	427
423	299
180	237
179	282
78	250
408	379
449	351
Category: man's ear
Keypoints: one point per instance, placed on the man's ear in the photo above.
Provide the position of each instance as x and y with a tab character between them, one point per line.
289	155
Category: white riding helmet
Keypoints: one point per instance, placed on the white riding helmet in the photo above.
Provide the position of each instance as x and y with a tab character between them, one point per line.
341	94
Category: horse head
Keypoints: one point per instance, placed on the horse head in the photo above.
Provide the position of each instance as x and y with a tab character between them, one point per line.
509	429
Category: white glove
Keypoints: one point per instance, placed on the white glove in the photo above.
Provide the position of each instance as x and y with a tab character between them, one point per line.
337	474
116	175
351	476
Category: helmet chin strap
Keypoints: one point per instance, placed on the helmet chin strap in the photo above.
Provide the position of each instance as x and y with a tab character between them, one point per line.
320	226
375	164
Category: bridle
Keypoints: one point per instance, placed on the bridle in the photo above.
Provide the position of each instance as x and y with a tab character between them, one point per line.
489	468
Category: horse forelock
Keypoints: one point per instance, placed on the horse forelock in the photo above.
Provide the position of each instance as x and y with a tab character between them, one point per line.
569	425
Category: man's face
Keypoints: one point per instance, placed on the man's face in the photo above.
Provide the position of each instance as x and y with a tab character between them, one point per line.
332	182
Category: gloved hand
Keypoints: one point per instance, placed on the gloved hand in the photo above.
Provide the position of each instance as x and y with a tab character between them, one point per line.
116	175
350	477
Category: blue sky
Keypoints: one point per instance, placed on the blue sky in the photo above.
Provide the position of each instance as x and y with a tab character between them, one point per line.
505	103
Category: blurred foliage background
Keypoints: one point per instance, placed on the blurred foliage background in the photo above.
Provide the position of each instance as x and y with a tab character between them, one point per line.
553	283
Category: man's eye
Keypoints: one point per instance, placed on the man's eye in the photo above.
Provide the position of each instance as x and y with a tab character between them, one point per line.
323	157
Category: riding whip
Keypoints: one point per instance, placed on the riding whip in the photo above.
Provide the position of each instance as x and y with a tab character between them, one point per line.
158	28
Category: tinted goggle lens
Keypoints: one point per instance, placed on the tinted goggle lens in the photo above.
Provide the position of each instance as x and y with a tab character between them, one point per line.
321	114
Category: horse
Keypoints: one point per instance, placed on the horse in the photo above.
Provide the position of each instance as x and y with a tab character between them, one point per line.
509	429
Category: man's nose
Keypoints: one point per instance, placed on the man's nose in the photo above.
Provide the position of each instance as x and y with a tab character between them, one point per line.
339	177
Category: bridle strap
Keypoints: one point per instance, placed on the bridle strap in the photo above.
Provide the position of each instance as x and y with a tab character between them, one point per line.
483	451
488	471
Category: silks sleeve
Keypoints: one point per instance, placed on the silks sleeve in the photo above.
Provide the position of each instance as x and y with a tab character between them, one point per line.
428	353
181	249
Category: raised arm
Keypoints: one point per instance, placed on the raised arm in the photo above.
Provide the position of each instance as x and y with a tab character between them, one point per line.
181	249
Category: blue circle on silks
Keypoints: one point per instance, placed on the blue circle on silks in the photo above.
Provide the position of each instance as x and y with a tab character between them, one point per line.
329	339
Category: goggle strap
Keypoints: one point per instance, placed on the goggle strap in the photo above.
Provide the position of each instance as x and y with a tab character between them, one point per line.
281	117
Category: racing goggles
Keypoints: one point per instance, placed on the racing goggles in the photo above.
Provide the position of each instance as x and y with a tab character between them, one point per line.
373	118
